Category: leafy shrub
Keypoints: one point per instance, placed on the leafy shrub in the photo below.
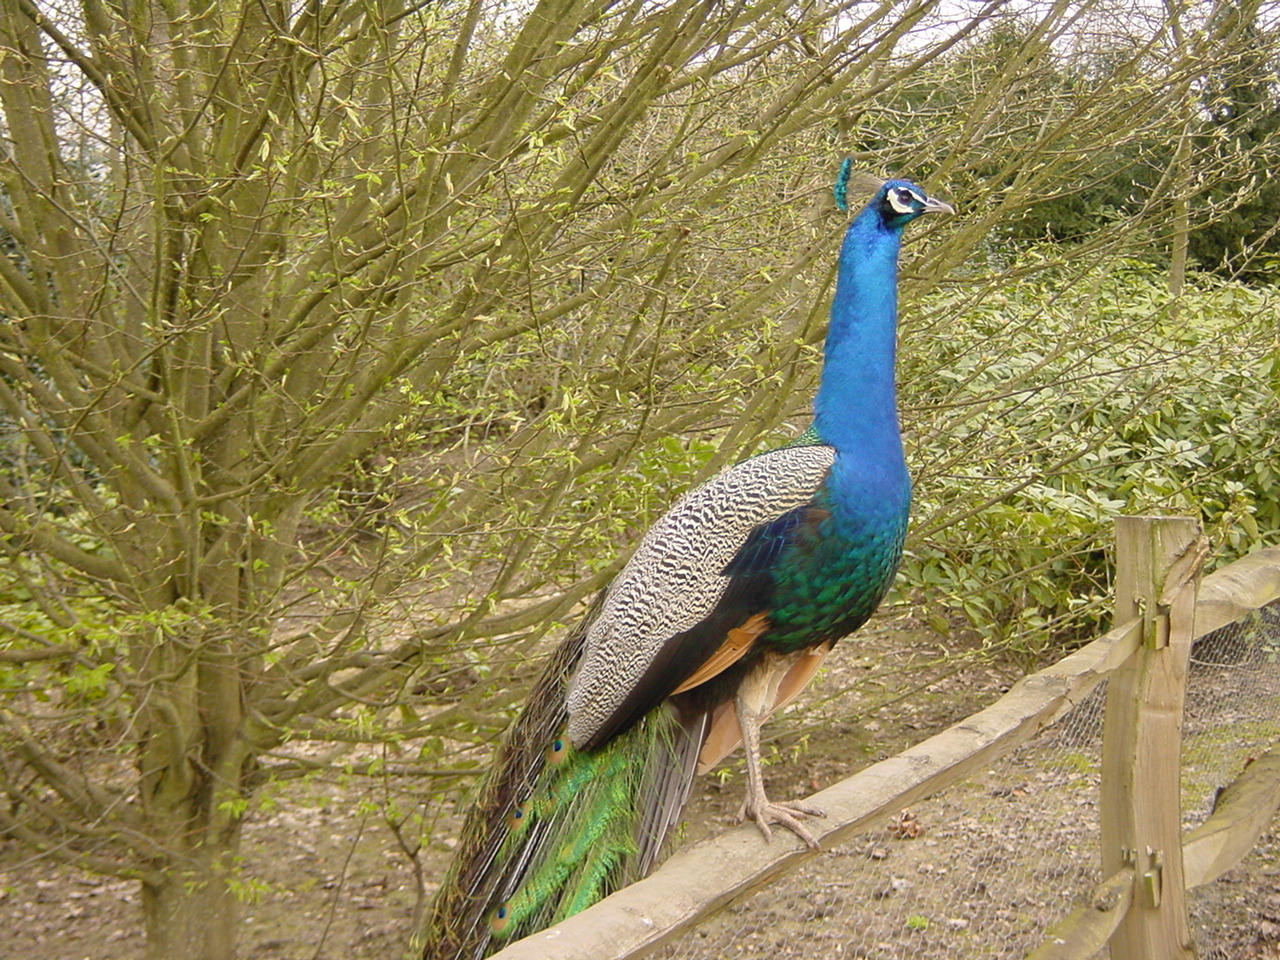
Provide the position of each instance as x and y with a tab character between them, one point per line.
1057	403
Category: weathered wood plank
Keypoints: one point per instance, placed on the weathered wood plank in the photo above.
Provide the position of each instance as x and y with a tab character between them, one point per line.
1086	930
1242	811
702	879
1228	594
1141	803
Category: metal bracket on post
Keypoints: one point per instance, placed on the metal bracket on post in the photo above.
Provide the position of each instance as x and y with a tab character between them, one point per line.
1155	624
1152	877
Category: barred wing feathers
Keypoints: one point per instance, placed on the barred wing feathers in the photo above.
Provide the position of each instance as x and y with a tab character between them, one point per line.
683	591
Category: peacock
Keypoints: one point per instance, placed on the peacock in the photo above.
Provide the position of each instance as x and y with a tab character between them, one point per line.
721	616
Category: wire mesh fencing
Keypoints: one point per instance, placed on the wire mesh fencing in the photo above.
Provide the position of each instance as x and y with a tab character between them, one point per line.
985	867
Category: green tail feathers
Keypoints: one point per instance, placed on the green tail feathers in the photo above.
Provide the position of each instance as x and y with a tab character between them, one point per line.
578	831
554	829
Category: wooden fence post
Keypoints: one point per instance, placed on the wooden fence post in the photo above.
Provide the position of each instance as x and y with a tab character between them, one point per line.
1157	566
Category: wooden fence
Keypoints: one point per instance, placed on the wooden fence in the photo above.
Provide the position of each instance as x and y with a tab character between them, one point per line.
1161	607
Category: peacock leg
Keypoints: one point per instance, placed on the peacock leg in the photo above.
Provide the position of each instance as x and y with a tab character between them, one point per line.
755	700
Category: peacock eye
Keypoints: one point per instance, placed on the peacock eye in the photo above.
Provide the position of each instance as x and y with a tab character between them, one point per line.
902	200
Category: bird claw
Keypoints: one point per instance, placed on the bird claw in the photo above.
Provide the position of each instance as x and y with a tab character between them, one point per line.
787	813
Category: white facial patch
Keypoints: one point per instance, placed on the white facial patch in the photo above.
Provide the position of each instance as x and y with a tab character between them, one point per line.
901	200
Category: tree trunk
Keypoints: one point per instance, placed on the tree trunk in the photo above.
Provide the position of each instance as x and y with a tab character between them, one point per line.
192	914
195	772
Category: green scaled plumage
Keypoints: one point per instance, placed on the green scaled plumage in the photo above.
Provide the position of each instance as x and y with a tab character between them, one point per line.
552	831
587	802
464	908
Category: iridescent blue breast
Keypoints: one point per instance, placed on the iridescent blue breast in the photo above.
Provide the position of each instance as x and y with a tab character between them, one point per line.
835	573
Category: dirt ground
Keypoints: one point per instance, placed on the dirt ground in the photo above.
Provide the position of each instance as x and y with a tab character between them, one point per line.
334	883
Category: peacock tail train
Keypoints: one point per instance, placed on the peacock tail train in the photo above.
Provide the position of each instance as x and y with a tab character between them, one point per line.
554	829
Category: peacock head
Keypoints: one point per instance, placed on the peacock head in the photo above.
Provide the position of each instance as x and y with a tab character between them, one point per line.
896	202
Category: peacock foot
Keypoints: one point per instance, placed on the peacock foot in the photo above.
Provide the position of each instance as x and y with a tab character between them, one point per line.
787	813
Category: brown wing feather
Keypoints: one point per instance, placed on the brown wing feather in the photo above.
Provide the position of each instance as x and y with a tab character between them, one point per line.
724	735
735	646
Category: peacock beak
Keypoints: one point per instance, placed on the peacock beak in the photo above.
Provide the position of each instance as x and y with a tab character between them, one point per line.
937	206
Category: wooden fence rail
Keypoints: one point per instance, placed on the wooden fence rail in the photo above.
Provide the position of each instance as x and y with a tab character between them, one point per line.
1158	564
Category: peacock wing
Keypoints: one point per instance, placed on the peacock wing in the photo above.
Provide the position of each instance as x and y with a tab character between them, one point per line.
664	616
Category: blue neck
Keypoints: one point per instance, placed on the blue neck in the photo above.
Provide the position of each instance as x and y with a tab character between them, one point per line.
855	409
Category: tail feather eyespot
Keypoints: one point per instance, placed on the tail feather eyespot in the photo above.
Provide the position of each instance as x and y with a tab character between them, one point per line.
518	816
499	918
558	750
